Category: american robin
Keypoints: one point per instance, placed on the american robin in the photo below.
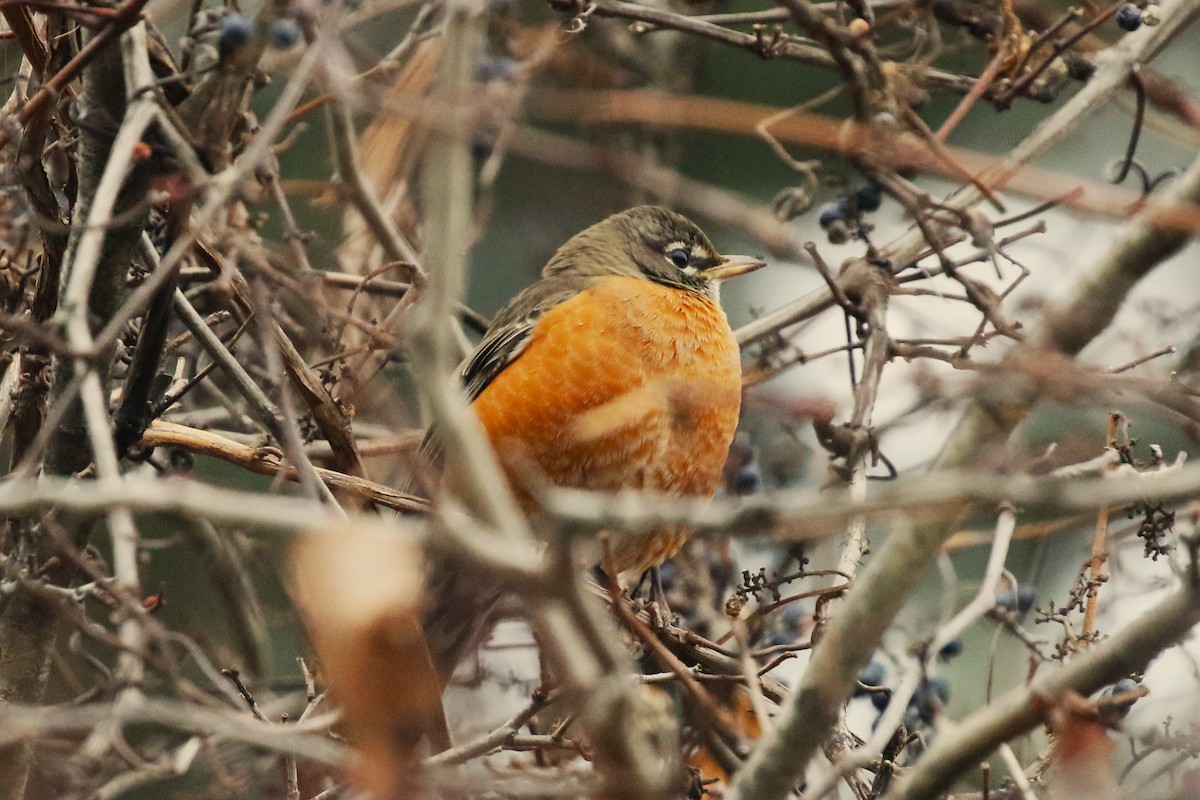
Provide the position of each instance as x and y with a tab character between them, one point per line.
617	370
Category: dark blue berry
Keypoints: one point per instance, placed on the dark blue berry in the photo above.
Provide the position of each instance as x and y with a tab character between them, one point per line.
1124	685
235	32
1026	597
793	617
929	699
941	688
830	213
912	718
1022	601
495	68
780	639
747	480
284	33
1119	711
869	197
871	675
1129	17
951	649
880	700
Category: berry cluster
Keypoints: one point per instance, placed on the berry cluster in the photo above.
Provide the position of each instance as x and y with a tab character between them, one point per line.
236	30
1118	710
1132	16
930	697
844	216
1019	603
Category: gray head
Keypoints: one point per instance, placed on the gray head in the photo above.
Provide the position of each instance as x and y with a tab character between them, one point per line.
652	243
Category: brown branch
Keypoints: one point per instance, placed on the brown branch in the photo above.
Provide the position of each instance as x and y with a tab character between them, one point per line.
971	97
20	21
791	49
122	19
852	139
266	461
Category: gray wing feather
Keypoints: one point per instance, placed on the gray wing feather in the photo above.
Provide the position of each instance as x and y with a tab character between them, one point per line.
510	330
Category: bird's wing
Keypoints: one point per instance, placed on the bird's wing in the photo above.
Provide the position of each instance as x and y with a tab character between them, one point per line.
498	349
511	329
507	336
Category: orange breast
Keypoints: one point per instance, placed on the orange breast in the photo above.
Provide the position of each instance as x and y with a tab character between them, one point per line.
628	385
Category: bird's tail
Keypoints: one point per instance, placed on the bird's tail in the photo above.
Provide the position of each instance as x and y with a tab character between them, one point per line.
458	614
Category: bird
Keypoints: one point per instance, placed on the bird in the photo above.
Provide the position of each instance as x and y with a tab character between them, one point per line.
617	370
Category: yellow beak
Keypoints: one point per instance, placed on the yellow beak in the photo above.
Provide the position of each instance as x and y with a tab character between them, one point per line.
732	266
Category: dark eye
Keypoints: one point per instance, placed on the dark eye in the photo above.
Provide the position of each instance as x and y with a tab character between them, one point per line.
679	257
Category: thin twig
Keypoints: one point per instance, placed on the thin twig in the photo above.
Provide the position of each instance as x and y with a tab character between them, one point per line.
1099	547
